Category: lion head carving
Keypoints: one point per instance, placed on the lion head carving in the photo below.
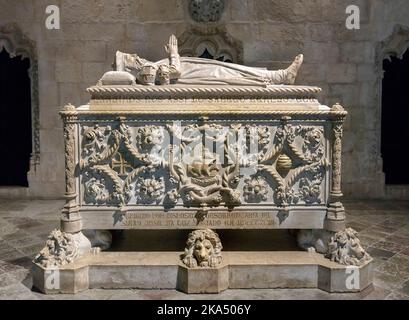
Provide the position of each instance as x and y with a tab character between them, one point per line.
345	248
60	249
203	249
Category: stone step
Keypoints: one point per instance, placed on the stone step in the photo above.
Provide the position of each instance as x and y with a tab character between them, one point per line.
239	270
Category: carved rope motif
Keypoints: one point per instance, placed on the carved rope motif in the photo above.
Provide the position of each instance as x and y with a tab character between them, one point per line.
309	172
336	159
69	148
100	146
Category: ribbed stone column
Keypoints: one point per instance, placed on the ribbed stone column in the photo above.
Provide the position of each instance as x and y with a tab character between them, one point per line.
335	220
70	219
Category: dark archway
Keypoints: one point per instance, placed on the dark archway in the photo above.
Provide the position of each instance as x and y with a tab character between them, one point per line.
15	120
395	120
206	54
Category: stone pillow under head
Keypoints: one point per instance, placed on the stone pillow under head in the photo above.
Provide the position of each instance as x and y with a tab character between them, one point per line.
117	78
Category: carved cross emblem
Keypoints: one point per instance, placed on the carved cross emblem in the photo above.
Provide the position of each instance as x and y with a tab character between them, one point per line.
119	164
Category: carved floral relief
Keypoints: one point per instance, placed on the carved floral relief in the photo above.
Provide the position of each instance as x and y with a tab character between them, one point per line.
203	164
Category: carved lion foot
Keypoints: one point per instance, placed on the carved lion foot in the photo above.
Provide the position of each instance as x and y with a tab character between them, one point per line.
99	238
342	247
62	248
345	248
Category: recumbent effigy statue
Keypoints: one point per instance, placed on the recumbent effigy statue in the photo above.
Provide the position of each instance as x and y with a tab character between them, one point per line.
200	71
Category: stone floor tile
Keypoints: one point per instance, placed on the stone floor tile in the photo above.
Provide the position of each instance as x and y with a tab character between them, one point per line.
355	206
17	235
383	229
41	231
26	241
78	296
368	238
32	250
370	219
157	294
367	241
397	296
100	294
11	255
5	247
397	266
12	205
6	228
400	239
7	280
377	263
405	252
389	246
383	205
404	229
23	262
402	232
380	253
22	276
17	292
40	296
388	281
8	266
402	205
379	233
378	293
125	294
356	225
403	288
391	223
23	222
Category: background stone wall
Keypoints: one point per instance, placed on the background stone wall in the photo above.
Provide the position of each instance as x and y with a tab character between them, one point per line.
341	61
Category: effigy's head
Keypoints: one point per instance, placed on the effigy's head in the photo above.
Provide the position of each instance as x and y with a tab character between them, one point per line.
203	249
147	74
163	74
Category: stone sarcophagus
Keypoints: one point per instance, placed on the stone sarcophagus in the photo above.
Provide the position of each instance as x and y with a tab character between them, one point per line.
203	157
190	143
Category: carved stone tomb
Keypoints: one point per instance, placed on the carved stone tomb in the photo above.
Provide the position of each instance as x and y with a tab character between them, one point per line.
188	143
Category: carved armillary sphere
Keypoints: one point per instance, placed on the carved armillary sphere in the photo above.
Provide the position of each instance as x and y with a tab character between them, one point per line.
206	10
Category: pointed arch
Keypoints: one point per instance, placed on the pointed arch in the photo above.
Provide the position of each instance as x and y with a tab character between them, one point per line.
16	44
391	52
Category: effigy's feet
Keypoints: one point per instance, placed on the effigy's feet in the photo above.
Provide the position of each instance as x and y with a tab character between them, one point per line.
292	70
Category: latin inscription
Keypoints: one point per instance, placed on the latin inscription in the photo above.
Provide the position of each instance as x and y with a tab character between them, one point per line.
214	220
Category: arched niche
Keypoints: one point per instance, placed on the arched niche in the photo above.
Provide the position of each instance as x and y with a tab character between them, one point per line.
211	42
392	54
16	44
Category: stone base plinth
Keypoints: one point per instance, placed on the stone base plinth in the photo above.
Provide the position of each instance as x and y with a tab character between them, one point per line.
203	280
239	270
